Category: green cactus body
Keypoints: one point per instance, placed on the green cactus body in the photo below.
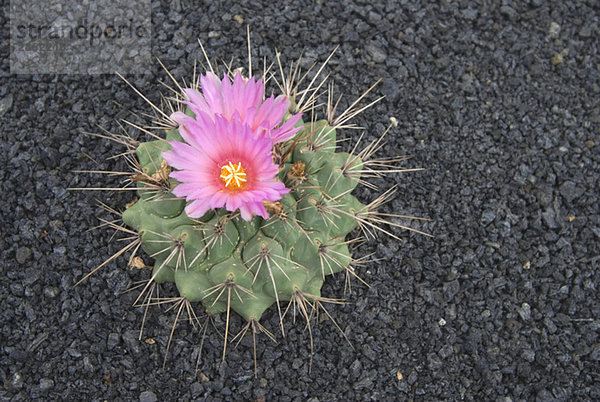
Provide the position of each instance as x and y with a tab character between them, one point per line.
222	260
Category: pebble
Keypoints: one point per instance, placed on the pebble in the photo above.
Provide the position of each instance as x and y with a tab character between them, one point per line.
377	53
528	355
570	191
446	351
508	12
554	29
556	59
112	341
549	217
5	104
131	340
23	254
51	291
525	311
46	384
390	87
148	396
16	381
487	217
196	389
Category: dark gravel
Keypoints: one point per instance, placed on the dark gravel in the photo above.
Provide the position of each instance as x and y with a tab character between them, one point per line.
499	101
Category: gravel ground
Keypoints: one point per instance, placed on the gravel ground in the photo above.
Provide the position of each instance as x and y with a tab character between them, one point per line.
498	101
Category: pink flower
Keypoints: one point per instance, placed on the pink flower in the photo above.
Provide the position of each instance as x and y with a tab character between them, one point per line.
223	164
243	100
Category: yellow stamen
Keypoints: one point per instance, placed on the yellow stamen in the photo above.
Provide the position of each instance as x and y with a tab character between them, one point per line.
233	175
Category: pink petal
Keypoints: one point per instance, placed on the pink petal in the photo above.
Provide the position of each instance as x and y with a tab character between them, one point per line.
211	88
196	209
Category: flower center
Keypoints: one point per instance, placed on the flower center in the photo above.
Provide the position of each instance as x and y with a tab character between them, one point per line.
233	175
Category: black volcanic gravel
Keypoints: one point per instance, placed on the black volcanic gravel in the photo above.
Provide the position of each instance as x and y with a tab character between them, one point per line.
502	304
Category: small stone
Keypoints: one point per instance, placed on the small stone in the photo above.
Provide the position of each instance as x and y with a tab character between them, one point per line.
112	341
442	62
374	18
46	384
570	191
549	217
413	377
16	289
586	31
508	12
239	19
595	355
554	29
245	375
377	53
196	390
130	338
544	395
51	292
6	104
77	107
505	228
297	363
557	59
355	369
23	254
87	364
528	355
203	378
470	14
525	311
16	353
441	322
550	325
446	351
545	195
434	362
487	217
177	5
451	289
74	353
16	381
391	89
365	383
148	396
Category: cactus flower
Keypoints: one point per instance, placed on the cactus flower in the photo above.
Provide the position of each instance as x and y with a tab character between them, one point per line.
243	100
223	163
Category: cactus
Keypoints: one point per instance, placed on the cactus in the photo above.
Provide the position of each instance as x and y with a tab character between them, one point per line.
266	260
259	248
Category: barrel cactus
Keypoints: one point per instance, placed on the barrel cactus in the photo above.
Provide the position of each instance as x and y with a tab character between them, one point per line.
245	202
